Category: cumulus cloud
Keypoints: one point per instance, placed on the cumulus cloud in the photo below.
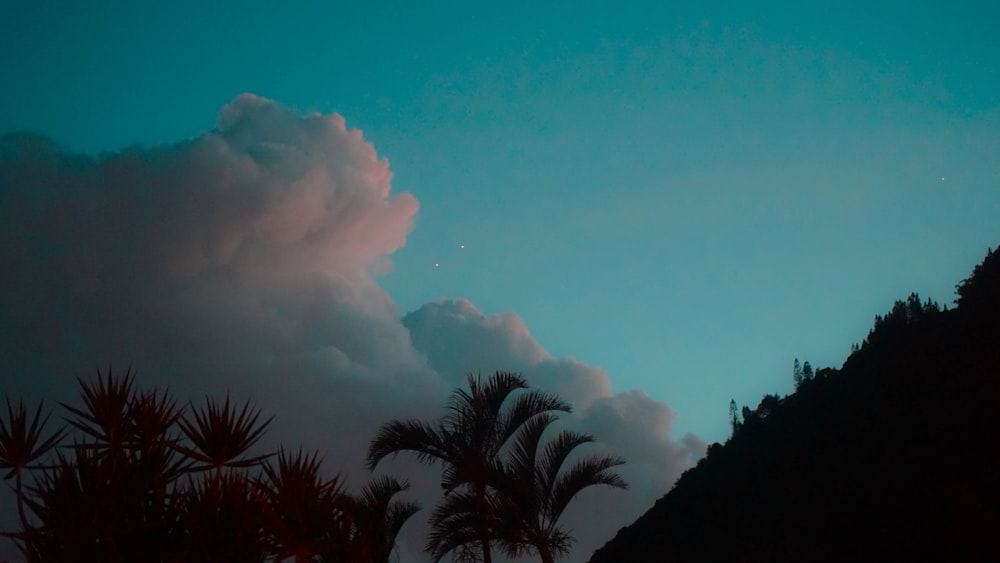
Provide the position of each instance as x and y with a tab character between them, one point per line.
246	259
456	337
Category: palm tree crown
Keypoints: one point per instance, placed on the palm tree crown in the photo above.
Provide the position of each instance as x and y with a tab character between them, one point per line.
537	489
468	440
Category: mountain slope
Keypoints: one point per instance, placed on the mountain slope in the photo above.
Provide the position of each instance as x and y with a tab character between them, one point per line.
894	456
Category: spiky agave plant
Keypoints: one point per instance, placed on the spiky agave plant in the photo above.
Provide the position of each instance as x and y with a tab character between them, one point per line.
303	510
223	433
221	519
22	445
90	507
104	418
112	490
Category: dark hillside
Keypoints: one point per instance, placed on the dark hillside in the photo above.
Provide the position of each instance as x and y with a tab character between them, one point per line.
893	457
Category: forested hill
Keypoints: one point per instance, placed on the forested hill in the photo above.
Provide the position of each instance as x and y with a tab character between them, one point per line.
893	457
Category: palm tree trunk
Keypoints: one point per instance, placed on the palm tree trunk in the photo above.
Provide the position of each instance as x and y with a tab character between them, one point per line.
545	554
483	526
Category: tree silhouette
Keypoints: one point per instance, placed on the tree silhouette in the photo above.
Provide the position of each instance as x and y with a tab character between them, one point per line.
146	480
536	488
378	519
839	470
979	289
307	515
221	437
734	417
21	445
468	441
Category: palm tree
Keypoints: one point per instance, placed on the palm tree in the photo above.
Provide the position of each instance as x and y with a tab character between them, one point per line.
456	524
377	519
146	480
537	490
468	441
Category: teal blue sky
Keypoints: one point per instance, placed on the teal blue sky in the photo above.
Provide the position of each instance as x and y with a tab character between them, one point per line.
687	195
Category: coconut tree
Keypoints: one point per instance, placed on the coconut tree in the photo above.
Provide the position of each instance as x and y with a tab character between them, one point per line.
377	519
537	488
456	524
468	441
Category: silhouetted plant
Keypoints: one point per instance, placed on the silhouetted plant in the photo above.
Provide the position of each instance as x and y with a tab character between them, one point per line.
468	440
221	519
839	470
302	508
768	404
980	288
501	487
734	417
93	506
105	415
221	436
378	519
537	489
21	445
903	313
145	480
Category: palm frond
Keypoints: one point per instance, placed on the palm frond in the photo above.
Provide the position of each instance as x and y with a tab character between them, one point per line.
556	452
457	521
523	451
378	492
378	519
420	438
594	470
398	514
527	405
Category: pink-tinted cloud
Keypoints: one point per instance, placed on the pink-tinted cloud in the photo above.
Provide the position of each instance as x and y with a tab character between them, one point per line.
245	259
457	338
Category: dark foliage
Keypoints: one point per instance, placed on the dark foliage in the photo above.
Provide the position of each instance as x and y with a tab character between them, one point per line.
893	457
145	480
503	489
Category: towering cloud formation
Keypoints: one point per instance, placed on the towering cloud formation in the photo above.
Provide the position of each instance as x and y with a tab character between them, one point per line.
245	259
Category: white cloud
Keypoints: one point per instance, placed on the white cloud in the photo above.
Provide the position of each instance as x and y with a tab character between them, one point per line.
458	338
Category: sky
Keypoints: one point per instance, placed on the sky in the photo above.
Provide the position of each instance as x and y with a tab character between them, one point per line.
341	209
